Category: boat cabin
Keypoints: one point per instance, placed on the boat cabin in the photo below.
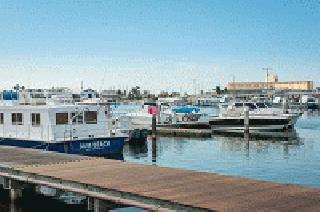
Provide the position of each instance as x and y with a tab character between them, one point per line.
53	124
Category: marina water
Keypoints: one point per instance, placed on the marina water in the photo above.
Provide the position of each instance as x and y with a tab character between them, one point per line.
294	159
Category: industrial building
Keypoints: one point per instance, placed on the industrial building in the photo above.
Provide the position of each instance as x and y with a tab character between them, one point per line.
271	83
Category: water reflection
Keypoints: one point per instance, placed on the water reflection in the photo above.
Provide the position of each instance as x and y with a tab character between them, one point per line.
259	143
281	157
232	143
136	150
154	151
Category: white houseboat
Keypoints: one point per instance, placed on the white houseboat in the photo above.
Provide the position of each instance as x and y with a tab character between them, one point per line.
75	129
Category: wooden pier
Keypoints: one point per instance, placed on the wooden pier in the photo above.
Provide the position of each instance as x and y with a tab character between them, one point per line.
194	133
147	186
185	129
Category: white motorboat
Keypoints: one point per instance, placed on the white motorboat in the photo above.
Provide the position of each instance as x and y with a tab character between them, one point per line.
261	118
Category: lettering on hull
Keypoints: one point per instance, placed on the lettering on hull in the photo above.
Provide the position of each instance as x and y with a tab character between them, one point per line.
88	146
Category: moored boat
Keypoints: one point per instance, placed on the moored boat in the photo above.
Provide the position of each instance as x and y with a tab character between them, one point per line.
259	119
74	129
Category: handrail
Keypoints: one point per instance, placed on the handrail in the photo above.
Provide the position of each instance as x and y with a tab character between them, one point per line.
52	132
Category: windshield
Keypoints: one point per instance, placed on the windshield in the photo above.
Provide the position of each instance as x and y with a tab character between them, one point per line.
250	105
261	105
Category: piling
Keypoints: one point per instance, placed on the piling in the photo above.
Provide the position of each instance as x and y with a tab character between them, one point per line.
285	105
246	120
93	204
154	126
90	203
96	207
154	152
15	194
15	189
158	114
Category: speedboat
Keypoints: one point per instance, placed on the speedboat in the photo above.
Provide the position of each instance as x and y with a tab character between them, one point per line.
260	119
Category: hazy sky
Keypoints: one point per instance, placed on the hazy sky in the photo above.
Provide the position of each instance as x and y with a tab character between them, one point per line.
160	44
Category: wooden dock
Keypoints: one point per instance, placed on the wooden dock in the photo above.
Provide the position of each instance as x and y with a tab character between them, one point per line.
152	187
185	129
202	133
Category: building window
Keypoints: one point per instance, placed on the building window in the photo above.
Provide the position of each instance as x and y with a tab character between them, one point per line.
77	118
17	118
91	117
1	118
35	119
61	118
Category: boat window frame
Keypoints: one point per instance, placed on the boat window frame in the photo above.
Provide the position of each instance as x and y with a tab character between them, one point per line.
261	105
16	121
35	122
238	104
76	119
62	123
90	121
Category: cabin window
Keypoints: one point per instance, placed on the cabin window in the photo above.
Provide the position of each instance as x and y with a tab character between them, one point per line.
77	118
90	117
1	118
61	118
17	118
35	119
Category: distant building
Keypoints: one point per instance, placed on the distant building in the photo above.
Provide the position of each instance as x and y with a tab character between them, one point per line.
272	78
163	94
271	83
89	94
135	93
113	95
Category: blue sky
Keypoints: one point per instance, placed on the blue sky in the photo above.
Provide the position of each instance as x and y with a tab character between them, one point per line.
157	44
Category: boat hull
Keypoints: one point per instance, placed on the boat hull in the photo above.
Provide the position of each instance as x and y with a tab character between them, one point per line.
258	124
92	146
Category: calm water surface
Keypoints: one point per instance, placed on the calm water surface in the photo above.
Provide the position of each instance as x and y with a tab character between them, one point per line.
289	158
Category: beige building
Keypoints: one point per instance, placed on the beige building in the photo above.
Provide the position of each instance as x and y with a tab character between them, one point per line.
271	83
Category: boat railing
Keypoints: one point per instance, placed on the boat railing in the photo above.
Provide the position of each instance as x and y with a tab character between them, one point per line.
53	133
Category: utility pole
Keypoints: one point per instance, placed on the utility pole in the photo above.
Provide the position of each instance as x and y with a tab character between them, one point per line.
267	70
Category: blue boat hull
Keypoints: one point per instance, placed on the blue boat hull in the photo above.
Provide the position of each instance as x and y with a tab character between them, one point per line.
93	146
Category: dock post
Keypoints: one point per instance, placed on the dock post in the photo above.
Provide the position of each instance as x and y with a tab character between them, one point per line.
90	203
15	190
159	114
154	152
93	204
15	194
154	126
285	105
246	120
96	205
